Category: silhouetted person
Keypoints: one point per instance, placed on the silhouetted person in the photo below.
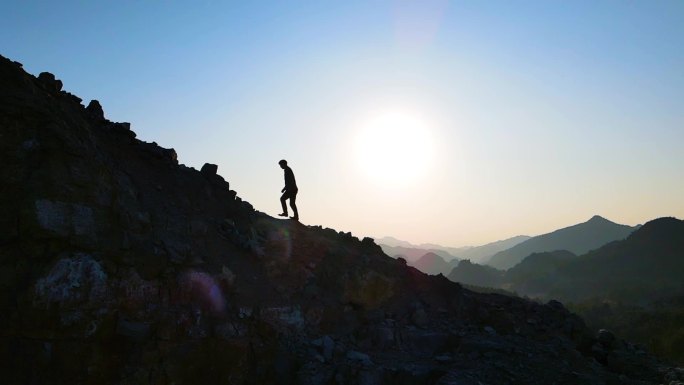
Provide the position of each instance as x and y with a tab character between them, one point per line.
289	191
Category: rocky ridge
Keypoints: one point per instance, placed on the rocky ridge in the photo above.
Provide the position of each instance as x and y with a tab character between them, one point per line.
119	265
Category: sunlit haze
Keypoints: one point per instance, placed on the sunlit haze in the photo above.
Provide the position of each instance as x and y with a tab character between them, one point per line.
458	123
394	149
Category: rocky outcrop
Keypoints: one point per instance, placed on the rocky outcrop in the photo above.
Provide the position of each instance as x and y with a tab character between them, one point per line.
95	110
119	265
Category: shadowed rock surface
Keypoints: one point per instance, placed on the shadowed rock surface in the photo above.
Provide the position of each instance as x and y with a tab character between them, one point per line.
118	265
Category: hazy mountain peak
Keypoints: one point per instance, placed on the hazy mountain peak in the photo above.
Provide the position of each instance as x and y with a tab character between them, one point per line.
431	255
432	263
598	218
578	239
393	246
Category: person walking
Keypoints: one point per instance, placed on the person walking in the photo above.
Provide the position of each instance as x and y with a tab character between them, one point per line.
289	191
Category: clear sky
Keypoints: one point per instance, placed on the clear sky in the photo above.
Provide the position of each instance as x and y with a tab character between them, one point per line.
456	123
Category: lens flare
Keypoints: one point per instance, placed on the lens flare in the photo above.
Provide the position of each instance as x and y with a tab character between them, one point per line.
281	243
204	288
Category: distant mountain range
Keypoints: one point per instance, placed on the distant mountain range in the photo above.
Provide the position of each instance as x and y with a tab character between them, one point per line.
484	252
577	239
413	254
393	247
648	264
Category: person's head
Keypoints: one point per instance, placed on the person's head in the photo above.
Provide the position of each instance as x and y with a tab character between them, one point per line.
283	163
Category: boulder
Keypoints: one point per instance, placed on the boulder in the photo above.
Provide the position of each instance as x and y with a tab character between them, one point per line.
50	82
362	358
209	169
606	338
95	110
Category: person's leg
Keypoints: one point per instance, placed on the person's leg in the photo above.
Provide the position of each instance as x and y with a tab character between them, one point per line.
282	202
293	199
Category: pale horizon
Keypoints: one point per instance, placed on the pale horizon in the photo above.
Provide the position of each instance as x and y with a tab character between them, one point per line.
562	226
450	123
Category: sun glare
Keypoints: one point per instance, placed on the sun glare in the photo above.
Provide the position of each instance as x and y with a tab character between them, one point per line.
394	148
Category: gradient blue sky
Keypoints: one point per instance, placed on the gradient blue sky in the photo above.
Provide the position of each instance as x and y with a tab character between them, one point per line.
541	113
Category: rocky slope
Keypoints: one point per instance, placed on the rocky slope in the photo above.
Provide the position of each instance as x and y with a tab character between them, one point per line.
118	265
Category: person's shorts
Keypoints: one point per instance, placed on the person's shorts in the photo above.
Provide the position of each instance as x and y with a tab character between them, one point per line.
290	194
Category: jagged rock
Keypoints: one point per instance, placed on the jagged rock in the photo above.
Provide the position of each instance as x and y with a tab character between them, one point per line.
74	281
95	110
123	129
70	96
209	169
160	152
606	338
210	172
362	358
50	82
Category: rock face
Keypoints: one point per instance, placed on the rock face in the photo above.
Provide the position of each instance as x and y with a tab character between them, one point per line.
120	266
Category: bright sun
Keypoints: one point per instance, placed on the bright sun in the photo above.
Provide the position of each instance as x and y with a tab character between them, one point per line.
394	148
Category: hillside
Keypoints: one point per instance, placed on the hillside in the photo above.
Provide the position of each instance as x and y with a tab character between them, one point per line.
537	272
469	273
533	276
432	264
648	264
577	239
120	265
